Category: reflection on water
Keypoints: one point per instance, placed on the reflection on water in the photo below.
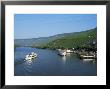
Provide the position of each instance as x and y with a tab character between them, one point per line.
64	59
86	60
29	62
89	60
68	54
49	63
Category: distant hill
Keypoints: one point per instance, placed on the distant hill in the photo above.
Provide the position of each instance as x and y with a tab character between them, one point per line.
85	39
65	40
38	41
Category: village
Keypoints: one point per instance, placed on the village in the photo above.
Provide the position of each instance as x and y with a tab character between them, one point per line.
82	53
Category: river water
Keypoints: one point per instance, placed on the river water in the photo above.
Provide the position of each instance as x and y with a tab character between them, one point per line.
49	63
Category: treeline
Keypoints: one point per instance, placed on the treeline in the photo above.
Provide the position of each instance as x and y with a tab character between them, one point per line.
86	40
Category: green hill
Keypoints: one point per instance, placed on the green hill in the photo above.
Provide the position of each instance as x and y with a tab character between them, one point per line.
39	41
84	39
79	40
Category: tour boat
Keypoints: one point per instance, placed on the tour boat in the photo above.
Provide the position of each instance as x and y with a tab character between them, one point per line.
88	56
62	53
31	56
88	59
69	51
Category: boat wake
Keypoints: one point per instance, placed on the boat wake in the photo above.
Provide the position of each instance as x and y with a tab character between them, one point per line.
19	61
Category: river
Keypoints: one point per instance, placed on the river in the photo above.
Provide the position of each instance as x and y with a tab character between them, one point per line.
49	63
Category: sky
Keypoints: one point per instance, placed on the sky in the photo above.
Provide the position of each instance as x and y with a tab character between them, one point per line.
45	25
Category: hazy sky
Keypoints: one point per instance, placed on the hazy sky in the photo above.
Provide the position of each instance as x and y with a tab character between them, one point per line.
44	25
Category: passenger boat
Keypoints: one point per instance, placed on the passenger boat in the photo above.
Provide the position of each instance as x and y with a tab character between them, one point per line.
62	53
31	56
69	51
87	56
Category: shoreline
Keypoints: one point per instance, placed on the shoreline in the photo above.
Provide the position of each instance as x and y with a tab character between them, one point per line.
81	54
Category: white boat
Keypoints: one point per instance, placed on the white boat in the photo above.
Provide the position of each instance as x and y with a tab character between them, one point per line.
88	56
31	56
58	50
69	51
62	53
34	54
88	60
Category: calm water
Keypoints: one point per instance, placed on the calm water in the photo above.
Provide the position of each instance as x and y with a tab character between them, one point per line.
49	63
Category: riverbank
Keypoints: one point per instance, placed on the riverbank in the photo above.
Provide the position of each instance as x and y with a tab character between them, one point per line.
82	54
86	54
